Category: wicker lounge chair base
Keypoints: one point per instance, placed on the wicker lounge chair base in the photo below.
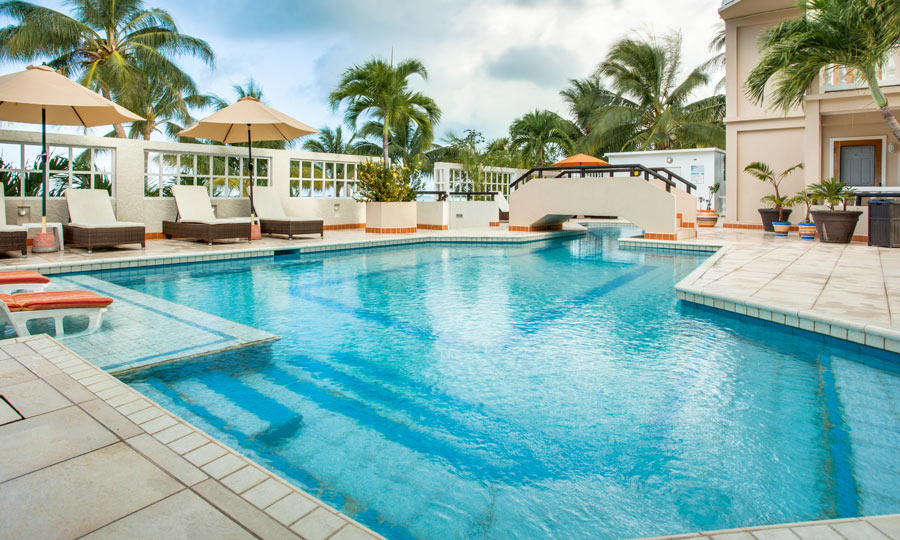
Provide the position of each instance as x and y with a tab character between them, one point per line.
14	241
290	227
92	237
206	231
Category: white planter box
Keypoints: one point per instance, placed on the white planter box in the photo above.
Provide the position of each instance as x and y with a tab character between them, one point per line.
391	217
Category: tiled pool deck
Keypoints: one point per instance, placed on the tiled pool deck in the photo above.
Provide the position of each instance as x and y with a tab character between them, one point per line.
83	435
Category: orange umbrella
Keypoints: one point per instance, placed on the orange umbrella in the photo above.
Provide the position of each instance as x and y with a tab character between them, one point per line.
580	160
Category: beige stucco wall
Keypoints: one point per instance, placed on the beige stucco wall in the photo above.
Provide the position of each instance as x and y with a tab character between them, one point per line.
472	214
391	215
434	213
780	148
546	201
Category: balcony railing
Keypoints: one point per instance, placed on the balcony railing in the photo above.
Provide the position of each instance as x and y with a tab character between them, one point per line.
837	78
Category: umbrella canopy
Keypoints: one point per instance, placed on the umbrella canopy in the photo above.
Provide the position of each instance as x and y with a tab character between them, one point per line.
26	94
580	160
246	121
41	95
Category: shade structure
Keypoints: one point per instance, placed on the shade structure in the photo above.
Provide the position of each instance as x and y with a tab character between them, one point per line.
247	121
580	160
41	95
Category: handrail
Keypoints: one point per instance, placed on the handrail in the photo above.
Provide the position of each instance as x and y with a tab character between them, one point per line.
443	195
632	170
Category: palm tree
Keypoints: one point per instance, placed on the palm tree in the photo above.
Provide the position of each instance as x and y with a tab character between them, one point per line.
717	62
541	134
109	45
855	34
165	109
330	141
380	89
652	108
585	97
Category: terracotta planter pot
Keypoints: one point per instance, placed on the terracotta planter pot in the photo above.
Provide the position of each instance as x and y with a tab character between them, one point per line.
807	231
44	242
782	228
770	215
835	227
255	233
707	218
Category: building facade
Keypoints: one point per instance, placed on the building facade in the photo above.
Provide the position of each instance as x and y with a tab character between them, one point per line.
838	131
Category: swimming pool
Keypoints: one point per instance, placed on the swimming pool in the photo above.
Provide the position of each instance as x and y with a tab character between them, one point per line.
552	390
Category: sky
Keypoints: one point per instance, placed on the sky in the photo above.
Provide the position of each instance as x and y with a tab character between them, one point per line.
489	61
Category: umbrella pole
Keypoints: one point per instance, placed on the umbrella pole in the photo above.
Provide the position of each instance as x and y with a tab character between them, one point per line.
44	167
250	165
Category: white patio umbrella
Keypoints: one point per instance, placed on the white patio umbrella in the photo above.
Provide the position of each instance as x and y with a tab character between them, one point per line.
41	95
246	121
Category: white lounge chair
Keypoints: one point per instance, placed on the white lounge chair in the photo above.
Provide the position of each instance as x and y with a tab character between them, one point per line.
18	309
22	280
93	222
196	219
12	237
274	220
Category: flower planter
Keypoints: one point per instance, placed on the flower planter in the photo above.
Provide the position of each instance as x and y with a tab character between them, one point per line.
770	215
707	218
391	217
781	228
835	227
807	231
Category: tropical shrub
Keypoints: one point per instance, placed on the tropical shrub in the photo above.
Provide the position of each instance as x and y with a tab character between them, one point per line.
833	192
378	183
764	173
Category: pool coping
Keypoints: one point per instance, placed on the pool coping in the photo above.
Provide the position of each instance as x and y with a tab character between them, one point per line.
191	455
248	251
855	331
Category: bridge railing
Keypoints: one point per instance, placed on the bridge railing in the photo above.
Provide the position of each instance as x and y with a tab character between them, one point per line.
662	174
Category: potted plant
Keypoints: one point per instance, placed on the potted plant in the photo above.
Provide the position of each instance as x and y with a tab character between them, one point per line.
806	228
390	196
781	205
765	173
708	217
834	226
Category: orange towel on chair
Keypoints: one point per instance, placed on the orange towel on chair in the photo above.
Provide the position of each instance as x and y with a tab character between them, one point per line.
35	301
22	276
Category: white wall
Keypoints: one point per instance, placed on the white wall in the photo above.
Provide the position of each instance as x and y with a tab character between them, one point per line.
702	166
433	213
130	203
473	214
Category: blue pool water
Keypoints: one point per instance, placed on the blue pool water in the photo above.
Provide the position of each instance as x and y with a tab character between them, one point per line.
555	390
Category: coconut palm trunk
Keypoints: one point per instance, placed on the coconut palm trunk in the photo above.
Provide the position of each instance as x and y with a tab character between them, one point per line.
882	103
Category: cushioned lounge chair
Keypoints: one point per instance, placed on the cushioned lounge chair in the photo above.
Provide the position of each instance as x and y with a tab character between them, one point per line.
12	237
20	308
93	223
22	280
274	220
196	219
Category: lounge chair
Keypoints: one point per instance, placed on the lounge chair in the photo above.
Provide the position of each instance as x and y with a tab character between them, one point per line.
196	219
12	237
93	223
22	280
20	308
274	220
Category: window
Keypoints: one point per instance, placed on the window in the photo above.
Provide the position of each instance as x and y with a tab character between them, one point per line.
70	167
224	176
322	179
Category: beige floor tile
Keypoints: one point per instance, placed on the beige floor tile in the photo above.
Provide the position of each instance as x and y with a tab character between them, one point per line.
69	387
224	465
203	455
351	532
732	536
888	525
82	494
174	464
37	442
111	418
34	397
858	530
183	516
172	433
12	372
8	414
775	534
266	493
244	479
240	510
816	532
318	524
188	443
291	508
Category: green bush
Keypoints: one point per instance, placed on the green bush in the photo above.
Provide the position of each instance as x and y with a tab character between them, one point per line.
378	183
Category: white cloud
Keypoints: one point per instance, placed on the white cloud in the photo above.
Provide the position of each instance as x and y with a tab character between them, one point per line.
489	61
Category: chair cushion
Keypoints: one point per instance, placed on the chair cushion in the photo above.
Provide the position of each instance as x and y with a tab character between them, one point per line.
36	301
218	221
22	276
90	206
193	203
116	225
11	228
268	204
